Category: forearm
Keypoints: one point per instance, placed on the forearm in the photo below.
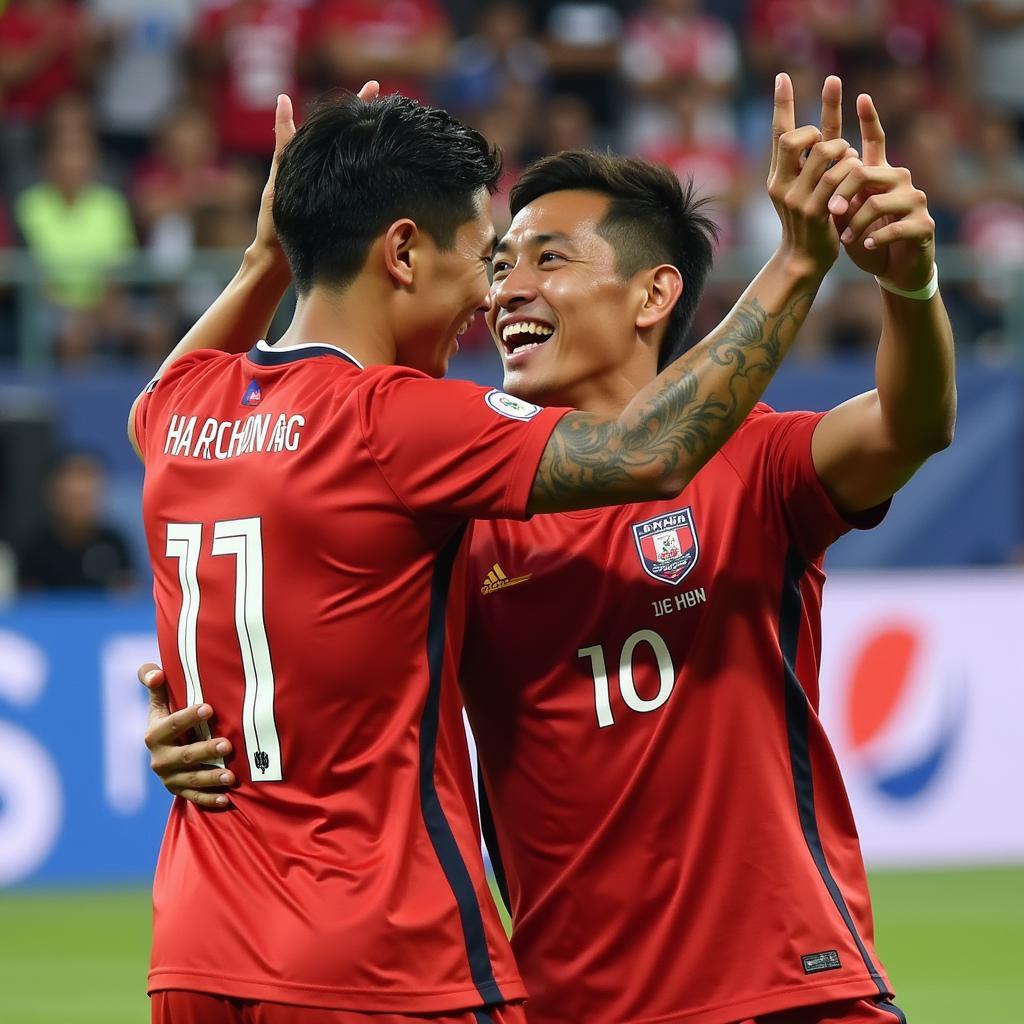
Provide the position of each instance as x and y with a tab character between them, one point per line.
678	421
241	314
685	415
915	374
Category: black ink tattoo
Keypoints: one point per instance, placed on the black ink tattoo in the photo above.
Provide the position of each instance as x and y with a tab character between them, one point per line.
676	423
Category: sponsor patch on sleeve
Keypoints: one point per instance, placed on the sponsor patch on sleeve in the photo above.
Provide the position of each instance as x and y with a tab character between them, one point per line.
510	406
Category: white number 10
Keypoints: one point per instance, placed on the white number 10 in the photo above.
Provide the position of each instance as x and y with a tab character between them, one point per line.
632	699
242	538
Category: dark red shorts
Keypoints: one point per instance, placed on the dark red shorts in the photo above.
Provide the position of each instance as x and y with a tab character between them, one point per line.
848	1011
179	1007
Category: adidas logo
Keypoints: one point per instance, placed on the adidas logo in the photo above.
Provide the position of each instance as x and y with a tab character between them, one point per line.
497	580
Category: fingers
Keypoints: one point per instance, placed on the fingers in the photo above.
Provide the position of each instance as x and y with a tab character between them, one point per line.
833	178
832	108
151	676
783	116
871	134
823	158
284	124
899	202
907	229
168	728
211	801
370	91
791	148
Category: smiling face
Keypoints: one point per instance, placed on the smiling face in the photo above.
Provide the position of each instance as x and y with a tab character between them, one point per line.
564	321
451	287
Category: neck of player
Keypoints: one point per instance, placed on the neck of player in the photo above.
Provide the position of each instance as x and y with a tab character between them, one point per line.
354	320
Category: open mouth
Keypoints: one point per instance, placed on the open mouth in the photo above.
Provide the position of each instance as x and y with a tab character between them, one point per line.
524	335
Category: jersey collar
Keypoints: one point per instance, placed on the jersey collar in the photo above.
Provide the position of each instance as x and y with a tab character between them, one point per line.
266	355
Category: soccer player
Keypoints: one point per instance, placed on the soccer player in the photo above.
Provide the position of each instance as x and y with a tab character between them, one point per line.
305	506
643	681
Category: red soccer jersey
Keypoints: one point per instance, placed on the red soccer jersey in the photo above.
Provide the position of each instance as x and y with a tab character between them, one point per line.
303	517
642	682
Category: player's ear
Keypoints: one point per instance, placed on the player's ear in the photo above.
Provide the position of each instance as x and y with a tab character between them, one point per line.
659	289
400	243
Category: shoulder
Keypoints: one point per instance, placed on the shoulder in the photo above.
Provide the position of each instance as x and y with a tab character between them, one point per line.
766	431
189	367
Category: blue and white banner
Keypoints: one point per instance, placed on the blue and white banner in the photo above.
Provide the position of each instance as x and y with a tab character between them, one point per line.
922	694
78	803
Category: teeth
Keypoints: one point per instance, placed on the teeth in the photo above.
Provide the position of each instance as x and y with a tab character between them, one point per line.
525	346
526	327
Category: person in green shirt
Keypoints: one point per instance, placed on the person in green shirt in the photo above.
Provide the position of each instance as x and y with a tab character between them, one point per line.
76	227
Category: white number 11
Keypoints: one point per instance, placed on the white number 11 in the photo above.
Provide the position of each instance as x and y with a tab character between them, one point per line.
242	538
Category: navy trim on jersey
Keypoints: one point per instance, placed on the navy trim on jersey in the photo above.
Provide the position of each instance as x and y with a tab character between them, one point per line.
790	614
490	834
440	832
482	1018
263	355
889	1007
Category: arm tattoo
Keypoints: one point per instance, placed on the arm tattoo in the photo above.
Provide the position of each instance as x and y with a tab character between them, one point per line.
677	422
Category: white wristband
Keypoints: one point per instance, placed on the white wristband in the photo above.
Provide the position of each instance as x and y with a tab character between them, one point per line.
921	293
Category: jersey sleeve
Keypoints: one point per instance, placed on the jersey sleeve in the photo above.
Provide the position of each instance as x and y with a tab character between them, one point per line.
159	388
454	448
772	454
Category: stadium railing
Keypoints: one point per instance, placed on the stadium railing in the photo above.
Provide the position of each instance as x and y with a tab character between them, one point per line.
990	285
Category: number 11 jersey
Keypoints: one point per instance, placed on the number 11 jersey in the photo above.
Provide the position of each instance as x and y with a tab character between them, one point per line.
304	518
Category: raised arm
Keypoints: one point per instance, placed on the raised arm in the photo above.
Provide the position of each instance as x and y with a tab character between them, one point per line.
867	448
676	423
242	313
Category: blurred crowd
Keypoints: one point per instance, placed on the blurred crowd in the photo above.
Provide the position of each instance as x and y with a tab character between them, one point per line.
147	125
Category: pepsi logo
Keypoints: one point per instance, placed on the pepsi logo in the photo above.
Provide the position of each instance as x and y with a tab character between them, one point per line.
904	710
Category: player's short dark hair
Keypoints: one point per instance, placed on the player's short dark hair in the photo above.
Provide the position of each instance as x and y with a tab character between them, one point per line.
652	219
353	168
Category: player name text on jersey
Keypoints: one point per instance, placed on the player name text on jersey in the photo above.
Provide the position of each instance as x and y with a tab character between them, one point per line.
687	599
227	439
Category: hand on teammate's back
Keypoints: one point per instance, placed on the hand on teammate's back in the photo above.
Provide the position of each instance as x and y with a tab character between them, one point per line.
184	769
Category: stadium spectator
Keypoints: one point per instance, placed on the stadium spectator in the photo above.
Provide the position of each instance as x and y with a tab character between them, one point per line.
140	74
76	227
405	44
46	50
499	52
999	55
697	146
244	54
582	42
76	548
668	41
182	176
567	123
991	167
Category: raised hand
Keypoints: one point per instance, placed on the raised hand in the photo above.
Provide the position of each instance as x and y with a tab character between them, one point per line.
801	186
184	769
883	219
284	129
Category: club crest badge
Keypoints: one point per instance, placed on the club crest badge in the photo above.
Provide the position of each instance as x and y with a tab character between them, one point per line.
667	545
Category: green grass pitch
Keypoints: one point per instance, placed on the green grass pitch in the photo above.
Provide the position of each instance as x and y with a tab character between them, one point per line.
952	941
